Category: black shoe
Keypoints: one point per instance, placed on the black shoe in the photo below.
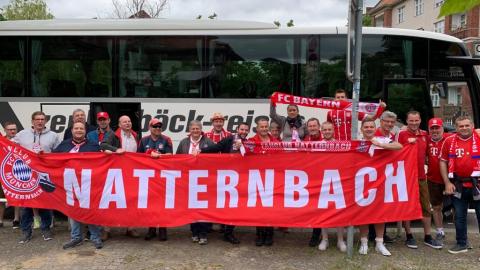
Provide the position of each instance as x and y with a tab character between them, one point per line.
314	241
231	239
268	238
25	238
47	235
15	224
98	244
387	239
73	243
152	233
260	240
162	234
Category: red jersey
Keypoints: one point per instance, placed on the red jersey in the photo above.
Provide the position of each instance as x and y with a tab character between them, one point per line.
433	152
463	161
421	144
257	139
217	137
342	123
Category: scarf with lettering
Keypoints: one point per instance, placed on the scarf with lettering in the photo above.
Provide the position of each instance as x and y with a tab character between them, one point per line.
326	103
252	147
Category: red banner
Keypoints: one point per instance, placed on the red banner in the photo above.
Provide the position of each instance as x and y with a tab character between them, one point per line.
282	189
325	103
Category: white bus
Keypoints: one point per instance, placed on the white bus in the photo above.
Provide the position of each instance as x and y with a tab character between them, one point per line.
183	70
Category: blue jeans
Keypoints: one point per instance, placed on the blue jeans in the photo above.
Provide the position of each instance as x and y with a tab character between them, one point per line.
461	207
77	232
26	220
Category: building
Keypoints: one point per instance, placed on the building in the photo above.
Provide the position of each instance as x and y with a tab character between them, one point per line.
424	15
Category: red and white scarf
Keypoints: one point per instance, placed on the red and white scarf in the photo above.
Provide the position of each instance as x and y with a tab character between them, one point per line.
76	146
252	147
474	156
326	103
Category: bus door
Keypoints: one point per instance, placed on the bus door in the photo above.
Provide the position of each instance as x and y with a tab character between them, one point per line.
115	110
403	95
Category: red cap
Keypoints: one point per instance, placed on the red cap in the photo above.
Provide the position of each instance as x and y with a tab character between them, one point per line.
435	122
154	122
103	115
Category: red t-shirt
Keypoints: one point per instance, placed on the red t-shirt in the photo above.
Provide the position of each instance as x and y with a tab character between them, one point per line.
257	139
309	138
421	144
434	151
342	123
463	161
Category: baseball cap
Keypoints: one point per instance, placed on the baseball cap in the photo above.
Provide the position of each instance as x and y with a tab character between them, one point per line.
103	115
154	122
435	122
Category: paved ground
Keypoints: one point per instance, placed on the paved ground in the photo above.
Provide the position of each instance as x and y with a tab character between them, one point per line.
290	251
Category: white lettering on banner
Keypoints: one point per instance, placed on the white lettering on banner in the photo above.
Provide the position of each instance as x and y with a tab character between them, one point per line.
114	180
171	176
331	181
143	178
399	180
291	188
223	188
255	182
82	192
371	174
194	188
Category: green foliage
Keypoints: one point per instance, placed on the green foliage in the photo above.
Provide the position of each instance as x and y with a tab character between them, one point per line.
367	20
199	17
213	16
290	23
450	7
27	10
277	23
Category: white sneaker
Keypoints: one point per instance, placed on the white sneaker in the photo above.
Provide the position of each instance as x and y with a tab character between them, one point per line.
363	248
323	244
341	246
380	248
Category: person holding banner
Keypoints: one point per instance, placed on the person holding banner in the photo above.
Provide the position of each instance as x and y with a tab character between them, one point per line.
77	144
313	128
38	139
292	127
460	170
156	144
10	132
368	129
436	187
387	124
327	130
264	234
342	119
414	135
78	115
193	144
231	144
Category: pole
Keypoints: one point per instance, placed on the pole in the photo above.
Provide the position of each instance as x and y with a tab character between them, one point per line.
357	49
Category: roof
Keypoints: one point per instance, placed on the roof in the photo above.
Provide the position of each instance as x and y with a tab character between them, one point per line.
383	4
139	27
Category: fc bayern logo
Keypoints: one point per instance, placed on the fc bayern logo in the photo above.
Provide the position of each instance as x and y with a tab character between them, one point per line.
370	107
20	180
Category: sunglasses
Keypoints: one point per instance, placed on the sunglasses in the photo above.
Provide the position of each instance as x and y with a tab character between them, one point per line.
158	126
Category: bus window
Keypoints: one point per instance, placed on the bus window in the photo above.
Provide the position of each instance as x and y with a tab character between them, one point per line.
169	67
452	102
12	57
71	66
407	95
250	67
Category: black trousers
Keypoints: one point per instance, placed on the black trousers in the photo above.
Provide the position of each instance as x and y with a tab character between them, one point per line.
200	229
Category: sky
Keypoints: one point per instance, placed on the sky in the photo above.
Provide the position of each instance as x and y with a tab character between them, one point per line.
303	12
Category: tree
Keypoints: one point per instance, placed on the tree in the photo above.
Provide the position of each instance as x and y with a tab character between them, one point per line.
277	23
27	10
125	9
450	7
211	17
367	20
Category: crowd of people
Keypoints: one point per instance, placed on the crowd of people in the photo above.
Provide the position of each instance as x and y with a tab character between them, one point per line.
452	161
